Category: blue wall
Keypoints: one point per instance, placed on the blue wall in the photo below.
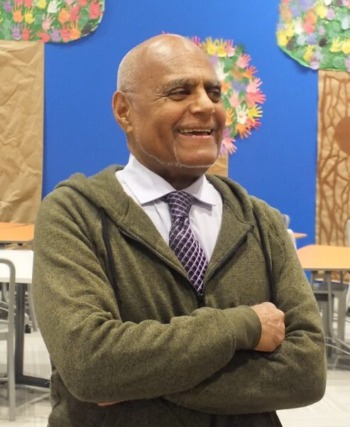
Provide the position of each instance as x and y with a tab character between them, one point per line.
277	163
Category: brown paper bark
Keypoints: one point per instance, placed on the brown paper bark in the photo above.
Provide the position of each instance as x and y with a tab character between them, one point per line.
220	167
21	125
333	169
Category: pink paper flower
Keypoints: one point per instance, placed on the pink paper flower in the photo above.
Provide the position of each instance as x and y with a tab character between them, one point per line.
241	91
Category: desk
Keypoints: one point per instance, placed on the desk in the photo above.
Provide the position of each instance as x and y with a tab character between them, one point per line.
23	262
9	224
328	259
19	233
298	235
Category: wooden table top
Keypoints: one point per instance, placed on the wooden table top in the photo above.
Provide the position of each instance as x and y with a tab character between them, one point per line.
298	235
9	224
17	234
324	257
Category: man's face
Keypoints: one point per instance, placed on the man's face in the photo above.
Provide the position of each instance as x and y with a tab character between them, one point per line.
176	118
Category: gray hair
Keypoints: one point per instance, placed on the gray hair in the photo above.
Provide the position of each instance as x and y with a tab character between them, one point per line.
128	71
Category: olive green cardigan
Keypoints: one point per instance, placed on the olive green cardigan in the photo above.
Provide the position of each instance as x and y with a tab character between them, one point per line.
122	323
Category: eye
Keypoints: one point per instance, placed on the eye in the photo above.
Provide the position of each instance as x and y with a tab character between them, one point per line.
214	94
178	94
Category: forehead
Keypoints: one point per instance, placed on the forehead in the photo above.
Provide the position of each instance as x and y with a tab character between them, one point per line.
187	67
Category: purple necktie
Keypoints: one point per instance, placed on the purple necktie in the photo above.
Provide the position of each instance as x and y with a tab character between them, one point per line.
182	240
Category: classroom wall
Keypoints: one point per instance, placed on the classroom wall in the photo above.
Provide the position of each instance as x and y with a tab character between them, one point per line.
277	163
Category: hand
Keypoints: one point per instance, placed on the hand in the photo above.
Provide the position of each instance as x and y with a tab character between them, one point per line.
272	326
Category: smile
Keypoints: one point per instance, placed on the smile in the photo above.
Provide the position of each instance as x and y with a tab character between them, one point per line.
196	132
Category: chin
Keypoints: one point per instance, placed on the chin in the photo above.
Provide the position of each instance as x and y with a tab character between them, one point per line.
199	155
200	167
202	161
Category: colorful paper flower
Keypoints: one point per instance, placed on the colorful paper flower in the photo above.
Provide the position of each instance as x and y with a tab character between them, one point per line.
49	20
241	93
320	35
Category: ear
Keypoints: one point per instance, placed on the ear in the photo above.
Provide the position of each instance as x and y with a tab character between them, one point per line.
121	110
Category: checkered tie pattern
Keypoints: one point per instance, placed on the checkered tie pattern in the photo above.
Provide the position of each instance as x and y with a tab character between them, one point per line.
182	240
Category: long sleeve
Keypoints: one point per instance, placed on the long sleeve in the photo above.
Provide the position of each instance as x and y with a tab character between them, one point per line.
293	375
140	335
138	347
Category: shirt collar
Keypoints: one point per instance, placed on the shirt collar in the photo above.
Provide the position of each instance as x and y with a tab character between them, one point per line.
147	186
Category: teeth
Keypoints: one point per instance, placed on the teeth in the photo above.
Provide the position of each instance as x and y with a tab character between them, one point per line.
196	131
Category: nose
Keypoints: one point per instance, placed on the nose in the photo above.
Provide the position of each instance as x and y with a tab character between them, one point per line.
201	103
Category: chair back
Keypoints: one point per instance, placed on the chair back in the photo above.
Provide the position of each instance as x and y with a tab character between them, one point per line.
7	332
285	219
347	232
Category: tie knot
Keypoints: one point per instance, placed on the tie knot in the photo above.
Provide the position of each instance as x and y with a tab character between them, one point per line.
180	203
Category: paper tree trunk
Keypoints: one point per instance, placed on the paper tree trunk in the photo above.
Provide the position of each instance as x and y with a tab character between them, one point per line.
333	169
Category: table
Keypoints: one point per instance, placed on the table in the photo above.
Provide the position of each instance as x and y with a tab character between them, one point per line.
329	259
9	224
23	262
19	233
298	235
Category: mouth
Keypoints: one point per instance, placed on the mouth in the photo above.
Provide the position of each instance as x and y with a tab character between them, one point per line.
196	132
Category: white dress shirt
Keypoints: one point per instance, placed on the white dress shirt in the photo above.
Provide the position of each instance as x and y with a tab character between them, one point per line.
147	189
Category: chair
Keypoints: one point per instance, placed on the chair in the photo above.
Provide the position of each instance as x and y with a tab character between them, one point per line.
30	321
340	290
347	242
7	332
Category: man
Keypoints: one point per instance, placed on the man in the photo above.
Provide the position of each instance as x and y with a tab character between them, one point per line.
135	339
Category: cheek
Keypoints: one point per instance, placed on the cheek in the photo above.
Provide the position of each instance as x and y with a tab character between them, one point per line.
221	115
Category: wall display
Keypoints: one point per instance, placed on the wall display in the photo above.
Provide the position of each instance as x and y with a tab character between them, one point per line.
54	21
241	92
21	124
316	33
333	172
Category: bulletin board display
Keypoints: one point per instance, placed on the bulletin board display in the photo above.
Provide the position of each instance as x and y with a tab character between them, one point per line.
49	21
21	136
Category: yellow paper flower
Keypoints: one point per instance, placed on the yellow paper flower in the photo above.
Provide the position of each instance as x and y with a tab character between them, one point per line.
254	112
336	45
29	17
308	53
41	4
210	47
290	30
282	38
321	11
221	50
346	46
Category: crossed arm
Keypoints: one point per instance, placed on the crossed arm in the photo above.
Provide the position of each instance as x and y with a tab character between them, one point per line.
230	361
